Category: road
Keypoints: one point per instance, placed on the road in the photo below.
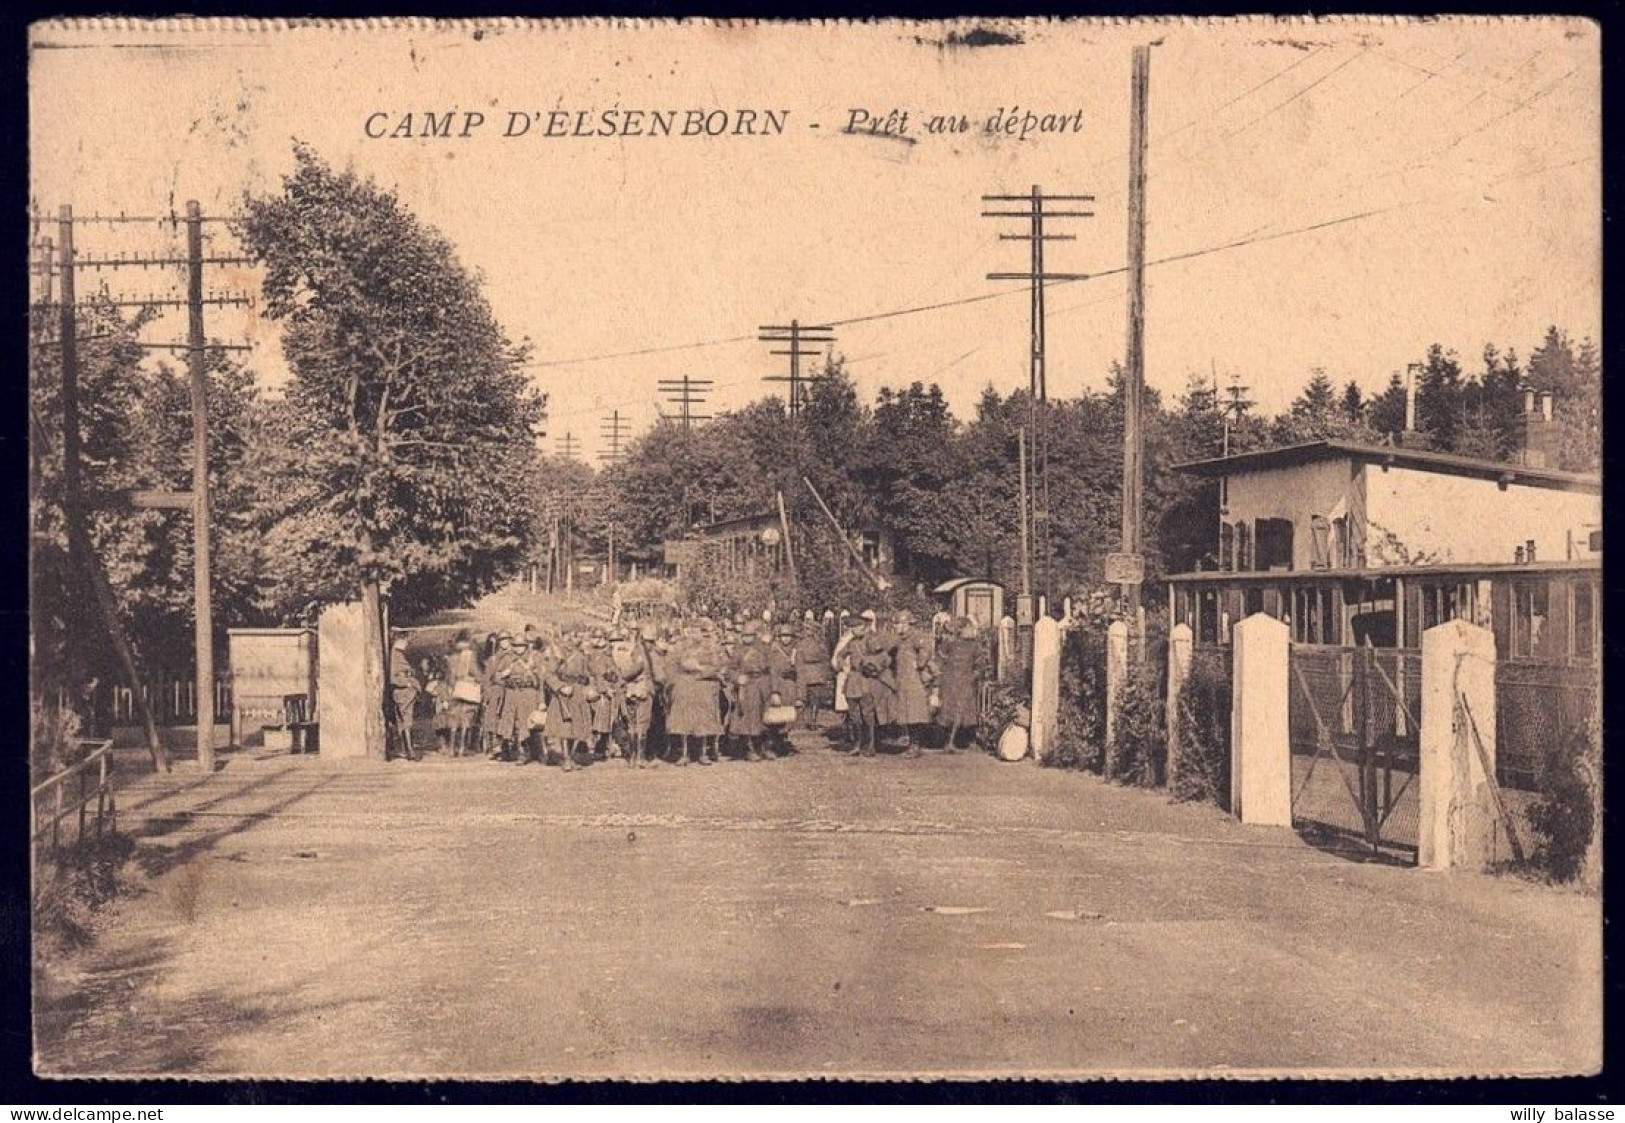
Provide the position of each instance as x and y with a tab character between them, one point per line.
817	914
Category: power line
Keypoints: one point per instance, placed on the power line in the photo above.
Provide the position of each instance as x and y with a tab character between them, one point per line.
567	446
978	298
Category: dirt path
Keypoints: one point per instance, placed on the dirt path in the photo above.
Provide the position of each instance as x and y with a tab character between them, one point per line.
816	914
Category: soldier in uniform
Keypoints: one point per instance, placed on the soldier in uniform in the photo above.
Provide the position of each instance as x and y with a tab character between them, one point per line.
403	693
603	696
813	672
859	685
496	668
750	682
522	696
912	665
632	662
569	722
782	671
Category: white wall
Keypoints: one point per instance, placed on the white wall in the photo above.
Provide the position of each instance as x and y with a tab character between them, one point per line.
1296	493
1463	519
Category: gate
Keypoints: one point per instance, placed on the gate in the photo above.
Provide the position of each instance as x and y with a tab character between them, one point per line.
1355	720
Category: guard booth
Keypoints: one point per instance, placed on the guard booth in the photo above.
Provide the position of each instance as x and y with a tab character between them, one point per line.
975	597
268	667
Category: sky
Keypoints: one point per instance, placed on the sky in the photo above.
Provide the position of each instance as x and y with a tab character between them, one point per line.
1335	194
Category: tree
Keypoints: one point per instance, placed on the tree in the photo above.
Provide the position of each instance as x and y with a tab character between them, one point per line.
1440	405
409	419
1353	402
1386	412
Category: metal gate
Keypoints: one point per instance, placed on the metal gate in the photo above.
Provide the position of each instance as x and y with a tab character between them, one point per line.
1355	717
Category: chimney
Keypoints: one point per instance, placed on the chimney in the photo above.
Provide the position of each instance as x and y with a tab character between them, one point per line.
1537	431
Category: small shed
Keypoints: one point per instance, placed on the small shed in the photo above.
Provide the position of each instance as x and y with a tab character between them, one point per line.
268	665
976	597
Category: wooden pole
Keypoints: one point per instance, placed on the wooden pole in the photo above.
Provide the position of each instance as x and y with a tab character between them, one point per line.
82	560
784	528
202	598
1026	551
1134	374
873	577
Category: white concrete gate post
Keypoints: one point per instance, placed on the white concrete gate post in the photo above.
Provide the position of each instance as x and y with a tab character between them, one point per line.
1179	669
1457	814
1116	675
1046	686
1260	736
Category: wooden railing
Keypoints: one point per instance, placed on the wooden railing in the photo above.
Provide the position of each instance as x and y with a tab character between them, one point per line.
67	798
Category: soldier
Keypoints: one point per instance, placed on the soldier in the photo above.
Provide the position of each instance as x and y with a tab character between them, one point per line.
782	672
632	661
603	696
522	696
695	696
961	659
403	692
750	681
569	722
495	692
859	686
813	672
912	665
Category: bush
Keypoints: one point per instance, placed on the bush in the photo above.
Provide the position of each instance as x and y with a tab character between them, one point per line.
1139	745
1080	733
1202	771
1565	818
74	885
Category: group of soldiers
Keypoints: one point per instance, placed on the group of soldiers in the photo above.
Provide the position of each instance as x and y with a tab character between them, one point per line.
690	689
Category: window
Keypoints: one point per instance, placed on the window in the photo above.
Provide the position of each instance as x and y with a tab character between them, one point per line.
1244	546
1531	604
1207	621
1583	641
1227	547
1273	545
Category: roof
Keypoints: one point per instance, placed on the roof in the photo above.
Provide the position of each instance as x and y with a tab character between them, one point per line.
957	583
736	521
1441	569
1424	460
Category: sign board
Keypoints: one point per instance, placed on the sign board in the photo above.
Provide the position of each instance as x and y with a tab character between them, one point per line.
1025	604
1125	569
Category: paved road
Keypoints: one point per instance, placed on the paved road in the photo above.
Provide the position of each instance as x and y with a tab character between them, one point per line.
816	914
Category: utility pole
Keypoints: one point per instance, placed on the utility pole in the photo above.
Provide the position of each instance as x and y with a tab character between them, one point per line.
686	392
567	446
794	334
615	429
203	601
1134	375
197	500
1035	211
1026	549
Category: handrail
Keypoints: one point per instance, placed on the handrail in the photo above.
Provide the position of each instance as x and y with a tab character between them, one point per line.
105	749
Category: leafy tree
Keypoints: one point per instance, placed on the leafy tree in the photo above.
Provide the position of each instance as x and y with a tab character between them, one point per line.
409	419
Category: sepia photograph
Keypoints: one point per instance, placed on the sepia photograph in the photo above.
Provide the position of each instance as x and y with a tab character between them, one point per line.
704	550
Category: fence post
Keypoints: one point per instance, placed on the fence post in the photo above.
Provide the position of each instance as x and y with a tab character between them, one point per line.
1179	669
1046	686
1007	647
1116	674
1456	810
1260	735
